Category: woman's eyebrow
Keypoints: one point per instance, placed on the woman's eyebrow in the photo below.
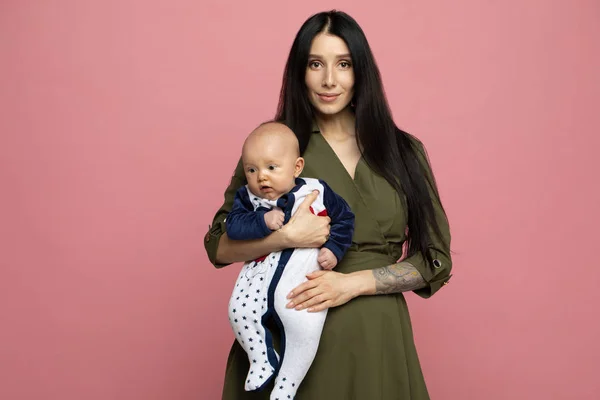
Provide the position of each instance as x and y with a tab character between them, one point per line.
346	55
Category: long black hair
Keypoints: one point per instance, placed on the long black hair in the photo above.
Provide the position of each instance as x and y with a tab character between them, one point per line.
388	150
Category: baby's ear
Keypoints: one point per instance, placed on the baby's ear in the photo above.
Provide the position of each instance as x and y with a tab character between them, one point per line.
298	167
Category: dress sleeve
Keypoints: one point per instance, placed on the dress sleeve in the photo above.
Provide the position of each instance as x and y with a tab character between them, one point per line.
437	272
218	226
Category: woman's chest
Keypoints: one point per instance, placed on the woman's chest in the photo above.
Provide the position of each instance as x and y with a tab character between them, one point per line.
378	209
347	152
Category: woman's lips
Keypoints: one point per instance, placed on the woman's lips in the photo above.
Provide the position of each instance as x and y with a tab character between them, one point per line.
327	97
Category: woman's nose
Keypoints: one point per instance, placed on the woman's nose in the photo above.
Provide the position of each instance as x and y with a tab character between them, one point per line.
329	78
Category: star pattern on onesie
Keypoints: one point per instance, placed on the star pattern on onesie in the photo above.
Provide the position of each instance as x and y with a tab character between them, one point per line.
250	306
283	389
248	303
245	316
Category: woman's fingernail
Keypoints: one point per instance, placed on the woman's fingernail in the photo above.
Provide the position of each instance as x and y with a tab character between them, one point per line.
298	307
290	304
289	296
310	309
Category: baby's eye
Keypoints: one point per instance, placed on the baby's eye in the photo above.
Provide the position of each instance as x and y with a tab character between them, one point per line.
272	167
251	170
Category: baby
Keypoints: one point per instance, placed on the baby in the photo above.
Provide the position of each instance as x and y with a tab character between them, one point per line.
272	164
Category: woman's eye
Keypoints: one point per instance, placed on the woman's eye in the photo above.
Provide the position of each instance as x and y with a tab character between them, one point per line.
314	64
345	64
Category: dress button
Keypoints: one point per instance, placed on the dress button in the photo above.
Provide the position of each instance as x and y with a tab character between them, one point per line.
437	263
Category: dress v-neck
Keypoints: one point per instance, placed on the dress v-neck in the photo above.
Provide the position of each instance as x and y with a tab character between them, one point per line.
335	156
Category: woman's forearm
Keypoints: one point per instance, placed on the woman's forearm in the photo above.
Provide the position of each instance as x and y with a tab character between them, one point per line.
230	251
304	229
395	278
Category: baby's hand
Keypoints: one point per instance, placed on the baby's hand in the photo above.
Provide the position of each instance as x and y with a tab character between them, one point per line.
326	259
274	219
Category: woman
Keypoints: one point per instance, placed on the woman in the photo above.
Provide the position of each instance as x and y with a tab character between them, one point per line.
333	99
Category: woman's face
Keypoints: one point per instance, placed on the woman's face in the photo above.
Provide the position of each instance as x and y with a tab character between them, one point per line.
329	74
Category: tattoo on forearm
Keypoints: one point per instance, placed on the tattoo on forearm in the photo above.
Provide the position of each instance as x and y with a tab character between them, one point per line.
396	278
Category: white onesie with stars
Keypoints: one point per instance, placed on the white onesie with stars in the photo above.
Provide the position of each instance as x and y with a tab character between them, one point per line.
263	284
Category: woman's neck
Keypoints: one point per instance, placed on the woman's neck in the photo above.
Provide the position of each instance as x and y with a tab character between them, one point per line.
338	125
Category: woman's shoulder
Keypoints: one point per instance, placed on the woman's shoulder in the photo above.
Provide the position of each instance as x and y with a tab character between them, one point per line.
416	144
415	141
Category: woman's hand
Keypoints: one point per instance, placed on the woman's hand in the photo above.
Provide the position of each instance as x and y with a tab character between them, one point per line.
305	229
325	289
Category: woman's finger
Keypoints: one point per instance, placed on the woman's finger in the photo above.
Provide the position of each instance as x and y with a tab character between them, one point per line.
301	288
313	301
308	200
302	297
320	307
315	274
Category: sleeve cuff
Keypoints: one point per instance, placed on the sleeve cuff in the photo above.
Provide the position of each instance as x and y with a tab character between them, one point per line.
263	225
435	275
211	242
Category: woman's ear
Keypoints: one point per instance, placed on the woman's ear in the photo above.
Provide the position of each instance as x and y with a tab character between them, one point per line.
298	167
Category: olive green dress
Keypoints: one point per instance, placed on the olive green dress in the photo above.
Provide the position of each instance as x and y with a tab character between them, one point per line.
366	350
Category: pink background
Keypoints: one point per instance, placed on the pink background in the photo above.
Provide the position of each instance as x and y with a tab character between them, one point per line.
120	126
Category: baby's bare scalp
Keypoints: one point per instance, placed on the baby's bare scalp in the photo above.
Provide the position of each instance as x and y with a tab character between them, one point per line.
273	131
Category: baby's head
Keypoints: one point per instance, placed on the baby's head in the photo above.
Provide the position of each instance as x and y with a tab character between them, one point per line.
271	159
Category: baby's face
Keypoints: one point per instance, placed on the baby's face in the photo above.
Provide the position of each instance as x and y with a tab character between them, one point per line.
271	166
